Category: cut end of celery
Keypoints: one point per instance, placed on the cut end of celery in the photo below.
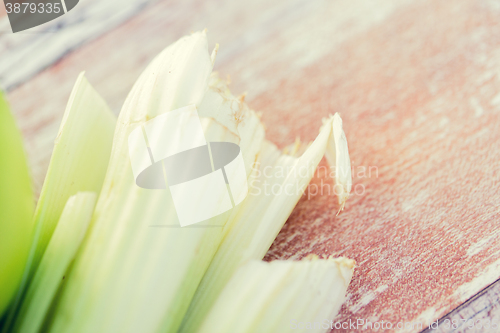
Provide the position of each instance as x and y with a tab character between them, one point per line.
272	297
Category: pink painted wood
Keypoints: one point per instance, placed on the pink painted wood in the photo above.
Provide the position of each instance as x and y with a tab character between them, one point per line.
418	86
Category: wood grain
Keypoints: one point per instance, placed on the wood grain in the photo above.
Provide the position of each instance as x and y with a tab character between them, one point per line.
479	314
418	86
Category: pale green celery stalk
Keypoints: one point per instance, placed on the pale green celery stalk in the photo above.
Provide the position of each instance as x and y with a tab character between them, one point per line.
78	163
137	270
16	207
281	296
81	154
261	216
58	255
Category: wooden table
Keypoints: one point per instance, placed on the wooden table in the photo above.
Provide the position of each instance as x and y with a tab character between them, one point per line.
416	82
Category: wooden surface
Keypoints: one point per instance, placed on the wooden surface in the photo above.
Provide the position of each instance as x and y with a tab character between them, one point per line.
417	84
479	314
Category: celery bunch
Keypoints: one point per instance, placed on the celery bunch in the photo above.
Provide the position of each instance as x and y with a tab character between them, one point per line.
109	256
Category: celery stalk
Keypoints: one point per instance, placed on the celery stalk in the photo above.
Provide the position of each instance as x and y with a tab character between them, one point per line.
281	296
16	207
130	275
78	163
60	252
80	157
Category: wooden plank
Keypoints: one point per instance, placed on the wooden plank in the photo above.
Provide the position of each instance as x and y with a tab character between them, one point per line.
480	314
417	84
